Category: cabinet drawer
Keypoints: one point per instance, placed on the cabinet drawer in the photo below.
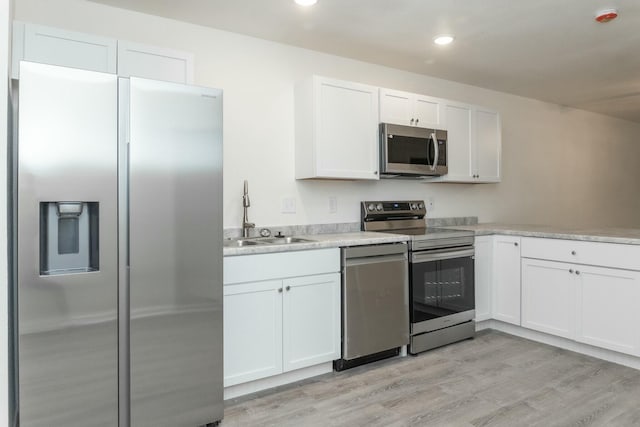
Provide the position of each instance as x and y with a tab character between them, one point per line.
253	268
593	253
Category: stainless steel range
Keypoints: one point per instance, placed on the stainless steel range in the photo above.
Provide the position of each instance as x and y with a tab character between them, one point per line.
441	272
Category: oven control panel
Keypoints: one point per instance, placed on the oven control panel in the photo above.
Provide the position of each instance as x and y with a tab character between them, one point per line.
389	209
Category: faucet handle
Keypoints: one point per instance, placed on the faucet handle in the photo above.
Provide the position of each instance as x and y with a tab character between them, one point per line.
265	232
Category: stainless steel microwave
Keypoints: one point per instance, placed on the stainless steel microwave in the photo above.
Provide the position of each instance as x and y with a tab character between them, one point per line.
412	151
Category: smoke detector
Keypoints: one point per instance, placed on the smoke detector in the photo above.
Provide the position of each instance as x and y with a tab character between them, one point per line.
606	15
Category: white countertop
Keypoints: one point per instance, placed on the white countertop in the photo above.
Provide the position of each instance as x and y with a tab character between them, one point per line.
629	236
320	241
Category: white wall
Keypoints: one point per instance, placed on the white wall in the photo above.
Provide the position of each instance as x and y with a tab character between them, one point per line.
5	36
560	166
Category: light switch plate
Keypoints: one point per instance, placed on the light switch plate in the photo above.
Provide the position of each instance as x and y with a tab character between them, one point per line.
288	205
333	204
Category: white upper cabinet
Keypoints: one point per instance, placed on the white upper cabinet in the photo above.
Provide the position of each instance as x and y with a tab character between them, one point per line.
488	145
460	147
153	62
473	142
37	43
410	109
336	129
473	132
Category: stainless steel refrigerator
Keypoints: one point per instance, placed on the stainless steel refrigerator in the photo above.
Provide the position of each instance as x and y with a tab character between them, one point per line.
118	278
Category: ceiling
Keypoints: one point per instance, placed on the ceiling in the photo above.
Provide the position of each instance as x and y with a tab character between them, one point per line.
544	49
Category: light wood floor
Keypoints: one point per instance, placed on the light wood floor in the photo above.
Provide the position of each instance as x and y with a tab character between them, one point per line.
493	380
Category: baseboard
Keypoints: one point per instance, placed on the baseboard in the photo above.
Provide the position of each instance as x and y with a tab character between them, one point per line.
276	380
600	353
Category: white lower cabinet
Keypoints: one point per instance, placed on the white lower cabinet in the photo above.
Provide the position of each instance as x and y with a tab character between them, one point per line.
608	308
595	305
252	331
549	297
483	270
284	323
506	279
310	321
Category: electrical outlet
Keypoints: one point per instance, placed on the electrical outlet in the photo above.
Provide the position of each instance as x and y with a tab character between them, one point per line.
288	205
333	204
431	204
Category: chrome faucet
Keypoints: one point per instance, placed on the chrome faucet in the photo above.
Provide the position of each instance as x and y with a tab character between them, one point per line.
246	225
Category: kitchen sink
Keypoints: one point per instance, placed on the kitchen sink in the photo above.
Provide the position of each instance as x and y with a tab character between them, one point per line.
284	240
236	243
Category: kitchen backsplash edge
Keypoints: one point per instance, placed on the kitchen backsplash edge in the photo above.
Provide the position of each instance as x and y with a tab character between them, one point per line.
345	227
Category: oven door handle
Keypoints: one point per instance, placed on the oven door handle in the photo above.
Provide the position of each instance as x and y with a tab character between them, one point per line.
374	260
428	256
436	149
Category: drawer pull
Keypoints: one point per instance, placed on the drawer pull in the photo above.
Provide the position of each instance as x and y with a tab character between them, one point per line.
577	272
573	252
571	270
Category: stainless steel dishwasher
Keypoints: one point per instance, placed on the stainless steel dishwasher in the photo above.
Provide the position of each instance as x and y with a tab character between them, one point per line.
375	303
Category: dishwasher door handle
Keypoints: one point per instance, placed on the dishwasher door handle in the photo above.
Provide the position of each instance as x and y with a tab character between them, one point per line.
374	260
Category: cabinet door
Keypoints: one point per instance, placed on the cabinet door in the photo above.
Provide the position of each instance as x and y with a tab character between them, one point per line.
459	143
608	315
506	279
37	43
311	320
252	331
427	112
548	297
346	126
396	107
487	145
483	267
153	62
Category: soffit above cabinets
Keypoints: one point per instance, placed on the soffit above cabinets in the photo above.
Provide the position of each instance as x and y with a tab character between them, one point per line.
545	49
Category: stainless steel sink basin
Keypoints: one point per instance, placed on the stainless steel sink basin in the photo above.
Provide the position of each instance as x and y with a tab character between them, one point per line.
237	243
284	240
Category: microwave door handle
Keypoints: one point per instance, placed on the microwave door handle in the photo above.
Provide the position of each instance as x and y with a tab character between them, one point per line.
436	149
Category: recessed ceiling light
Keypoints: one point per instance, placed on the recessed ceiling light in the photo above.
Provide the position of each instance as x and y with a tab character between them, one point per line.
306	2
443	39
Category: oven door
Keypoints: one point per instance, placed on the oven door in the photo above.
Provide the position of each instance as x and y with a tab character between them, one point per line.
442	288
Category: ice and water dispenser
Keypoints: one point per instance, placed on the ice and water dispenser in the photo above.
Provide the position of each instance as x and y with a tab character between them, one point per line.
68	237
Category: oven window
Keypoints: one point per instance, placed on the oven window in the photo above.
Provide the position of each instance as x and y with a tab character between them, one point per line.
408	150
441	288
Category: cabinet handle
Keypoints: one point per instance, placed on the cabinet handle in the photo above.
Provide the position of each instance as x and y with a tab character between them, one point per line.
375	172
417	120
573	252
288	288
411	121
571	270
280	290
577	272
515	243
